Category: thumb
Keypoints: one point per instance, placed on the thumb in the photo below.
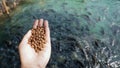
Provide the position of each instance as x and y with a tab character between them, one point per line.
27	35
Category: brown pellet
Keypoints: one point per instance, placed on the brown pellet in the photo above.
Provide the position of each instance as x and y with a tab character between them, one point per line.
37	39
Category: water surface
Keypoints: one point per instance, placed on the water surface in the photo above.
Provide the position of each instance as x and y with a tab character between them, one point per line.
84	33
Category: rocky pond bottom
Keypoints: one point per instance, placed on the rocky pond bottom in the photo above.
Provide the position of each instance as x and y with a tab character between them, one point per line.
79	40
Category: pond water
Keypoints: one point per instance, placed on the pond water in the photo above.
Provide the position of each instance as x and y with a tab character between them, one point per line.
84	33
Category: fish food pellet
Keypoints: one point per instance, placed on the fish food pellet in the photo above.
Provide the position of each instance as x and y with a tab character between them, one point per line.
37	39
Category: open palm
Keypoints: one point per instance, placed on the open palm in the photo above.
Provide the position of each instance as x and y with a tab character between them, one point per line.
31	59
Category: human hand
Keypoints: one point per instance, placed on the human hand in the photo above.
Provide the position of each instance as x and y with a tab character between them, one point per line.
29	58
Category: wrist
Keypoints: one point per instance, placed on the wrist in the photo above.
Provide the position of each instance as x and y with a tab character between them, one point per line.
32	66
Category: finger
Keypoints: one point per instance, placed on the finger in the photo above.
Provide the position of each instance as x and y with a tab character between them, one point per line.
35	24
47	31
28	34
26	37
40	22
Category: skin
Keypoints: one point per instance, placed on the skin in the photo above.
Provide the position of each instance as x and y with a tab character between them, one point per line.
29	58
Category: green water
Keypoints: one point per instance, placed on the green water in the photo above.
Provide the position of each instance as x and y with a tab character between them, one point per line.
85	19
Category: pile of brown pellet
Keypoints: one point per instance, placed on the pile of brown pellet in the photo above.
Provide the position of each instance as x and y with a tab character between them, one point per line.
37	39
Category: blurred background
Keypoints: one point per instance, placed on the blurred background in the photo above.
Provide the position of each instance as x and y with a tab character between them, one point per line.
84	33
